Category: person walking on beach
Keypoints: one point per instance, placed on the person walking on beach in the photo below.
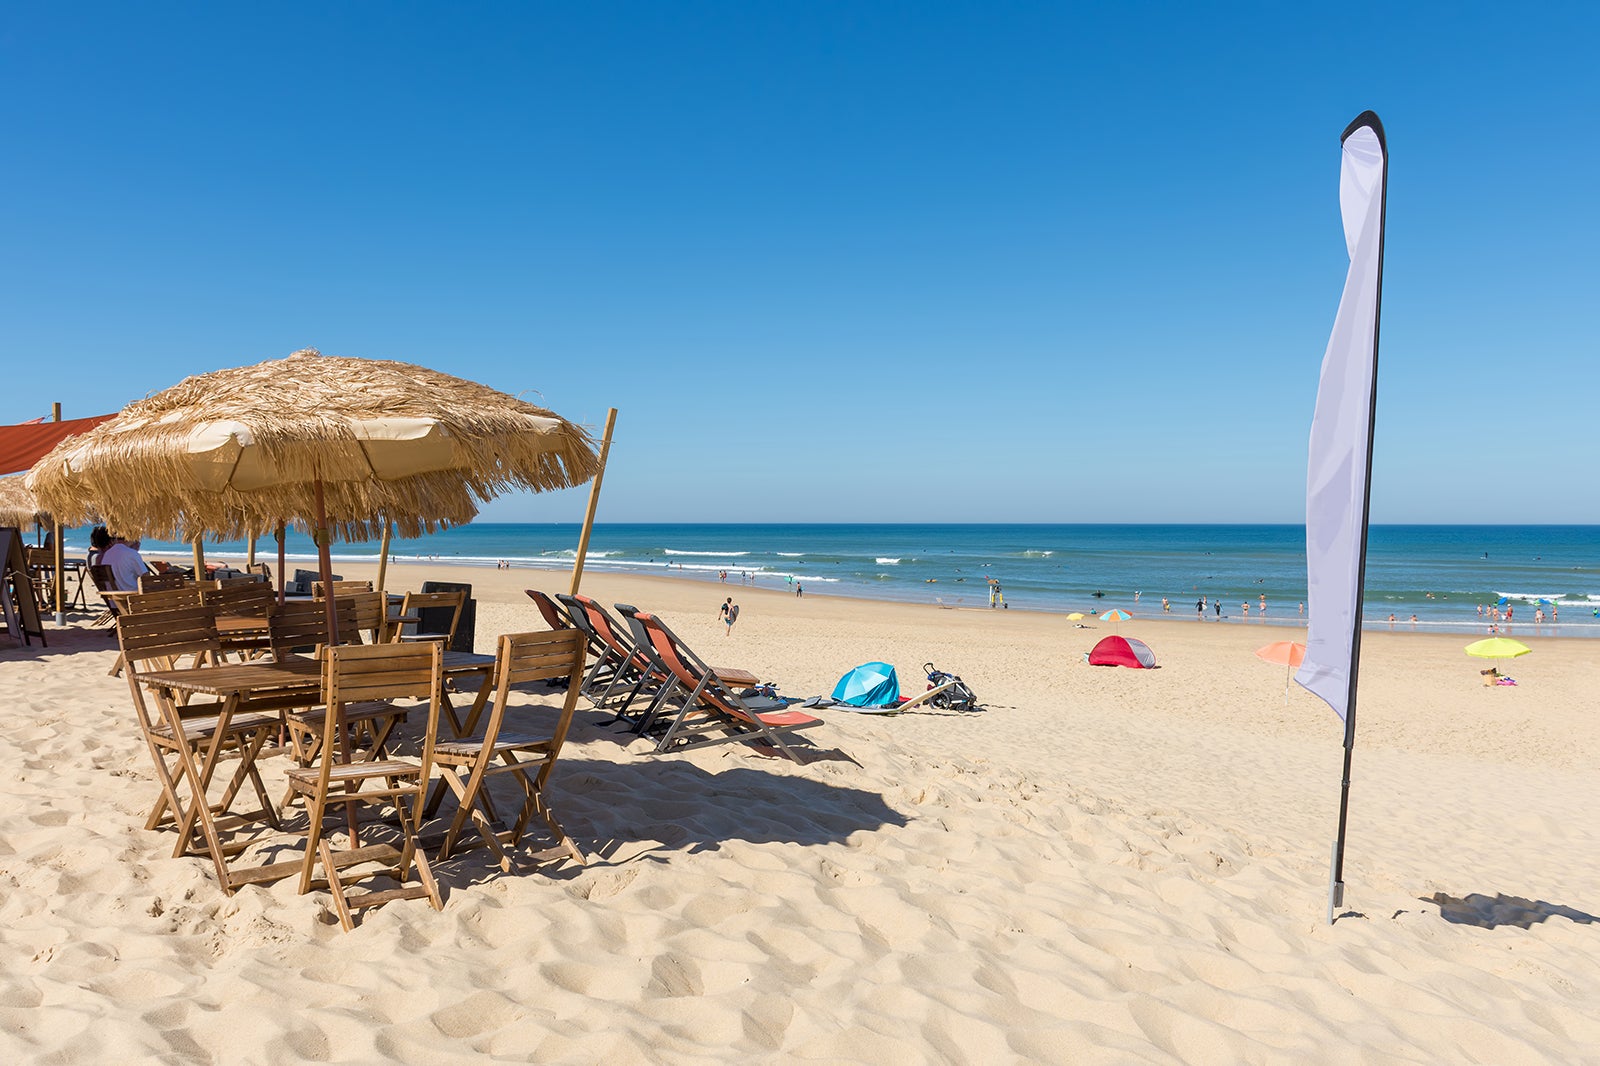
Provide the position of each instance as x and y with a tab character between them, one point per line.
730	614
1200	608
1217	603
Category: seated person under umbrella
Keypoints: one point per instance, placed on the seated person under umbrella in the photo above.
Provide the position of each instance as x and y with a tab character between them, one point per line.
125	563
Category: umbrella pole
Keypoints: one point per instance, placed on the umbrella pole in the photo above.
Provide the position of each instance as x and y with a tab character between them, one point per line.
325	565
341	722
594	501
281	589
60	559
199	560
250	559
383	552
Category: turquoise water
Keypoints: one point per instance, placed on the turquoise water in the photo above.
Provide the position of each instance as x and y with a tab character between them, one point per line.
1439	573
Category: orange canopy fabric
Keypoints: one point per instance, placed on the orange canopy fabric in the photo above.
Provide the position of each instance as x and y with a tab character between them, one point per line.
1284	652
22	446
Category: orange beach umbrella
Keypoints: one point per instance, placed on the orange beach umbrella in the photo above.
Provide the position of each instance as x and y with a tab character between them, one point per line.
1289	653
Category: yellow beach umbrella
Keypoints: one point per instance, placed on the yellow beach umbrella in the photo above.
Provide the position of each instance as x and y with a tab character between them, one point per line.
1076	616
1497	648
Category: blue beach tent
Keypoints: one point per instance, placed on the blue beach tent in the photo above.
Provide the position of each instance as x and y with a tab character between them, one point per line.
869	685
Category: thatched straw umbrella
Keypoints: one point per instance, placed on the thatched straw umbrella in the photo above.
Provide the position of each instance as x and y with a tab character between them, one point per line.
327	441
238	450
317	438
18	507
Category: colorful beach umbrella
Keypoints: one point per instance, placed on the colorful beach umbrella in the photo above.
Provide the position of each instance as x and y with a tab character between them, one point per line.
1287	653
1116	614
1497	648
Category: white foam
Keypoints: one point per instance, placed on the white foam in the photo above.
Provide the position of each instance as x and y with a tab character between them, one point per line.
887	562
674	551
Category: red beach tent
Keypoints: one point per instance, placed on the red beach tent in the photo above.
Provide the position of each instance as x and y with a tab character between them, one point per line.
1122	651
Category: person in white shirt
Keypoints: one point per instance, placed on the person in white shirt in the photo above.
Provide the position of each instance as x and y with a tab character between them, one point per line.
125	563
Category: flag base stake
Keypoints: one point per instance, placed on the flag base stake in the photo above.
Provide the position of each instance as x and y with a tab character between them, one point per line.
1335	886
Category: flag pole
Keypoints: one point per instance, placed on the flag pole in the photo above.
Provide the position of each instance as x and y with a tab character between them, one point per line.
1336	874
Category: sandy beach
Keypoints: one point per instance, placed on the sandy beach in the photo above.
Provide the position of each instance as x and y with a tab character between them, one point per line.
1103	865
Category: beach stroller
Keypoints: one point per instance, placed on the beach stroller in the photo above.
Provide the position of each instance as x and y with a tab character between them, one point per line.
949	692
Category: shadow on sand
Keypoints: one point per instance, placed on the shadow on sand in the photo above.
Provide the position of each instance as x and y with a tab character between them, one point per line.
1491	912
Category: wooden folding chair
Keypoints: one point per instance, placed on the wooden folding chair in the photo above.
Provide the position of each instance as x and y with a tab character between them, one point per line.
365	672
183	740
153	581
432	601
521	658
371	612
340	588
304	624
246	606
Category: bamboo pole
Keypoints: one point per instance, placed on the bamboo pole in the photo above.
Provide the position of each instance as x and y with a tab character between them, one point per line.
60	560
383	553
594	502
281	589
199	560
250	559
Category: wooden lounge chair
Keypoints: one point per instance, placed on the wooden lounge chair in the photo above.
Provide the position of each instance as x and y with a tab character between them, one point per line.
466	765
353	674
710	707
180	737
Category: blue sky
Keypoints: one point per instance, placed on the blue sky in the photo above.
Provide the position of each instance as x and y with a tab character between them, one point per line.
835	262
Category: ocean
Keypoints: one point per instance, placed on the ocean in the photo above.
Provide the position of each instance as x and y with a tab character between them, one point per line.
1440	574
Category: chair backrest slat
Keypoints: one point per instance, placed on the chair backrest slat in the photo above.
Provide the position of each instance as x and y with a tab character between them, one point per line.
424	601
163	634
303	623
368	608
340	588
540	656
170	599
249	598
356	672
152	581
